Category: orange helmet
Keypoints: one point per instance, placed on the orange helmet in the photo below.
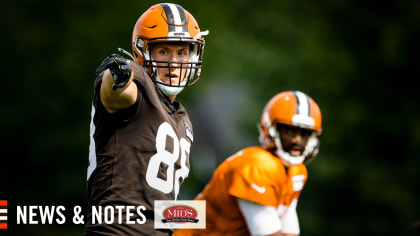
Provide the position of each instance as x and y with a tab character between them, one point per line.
292	108
172	24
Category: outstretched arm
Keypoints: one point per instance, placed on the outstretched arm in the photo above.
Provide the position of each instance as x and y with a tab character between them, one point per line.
117	89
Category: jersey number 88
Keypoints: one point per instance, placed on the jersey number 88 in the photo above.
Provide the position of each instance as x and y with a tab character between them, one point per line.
168	158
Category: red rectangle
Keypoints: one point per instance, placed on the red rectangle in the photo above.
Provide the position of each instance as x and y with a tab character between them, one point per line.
3	202
3	226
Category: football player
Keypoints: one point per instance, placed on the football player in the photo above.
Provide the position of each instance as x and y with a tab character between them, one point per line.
140	136
255	191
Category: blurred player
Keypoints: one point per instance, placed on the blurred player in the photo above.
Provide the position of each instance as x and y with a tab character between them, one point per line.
255	191
141	136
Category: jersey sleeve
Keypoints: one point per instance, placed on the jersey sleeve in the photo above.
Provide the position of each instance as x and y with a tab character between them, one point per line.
254	183
121	116
290	220
260	219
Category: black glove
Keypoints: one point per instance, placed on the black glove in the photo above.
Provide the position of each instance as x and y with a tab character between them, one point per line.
119	68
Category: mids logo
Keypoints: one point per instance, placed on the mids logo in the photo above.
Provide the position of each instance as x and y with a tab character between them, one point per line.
3	214
179	214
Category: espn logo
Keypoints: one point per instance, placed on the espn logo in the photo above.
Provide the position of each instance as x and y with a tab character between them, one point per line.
3	214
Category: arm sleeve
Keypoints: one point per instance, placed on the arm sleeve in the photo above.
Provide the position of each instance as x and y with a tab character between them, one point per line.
121	116
290	220
261	219
254	184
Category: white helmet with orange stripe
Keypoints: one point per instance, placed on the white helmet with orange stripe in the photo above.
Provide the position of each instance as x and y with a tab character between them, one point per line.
296	109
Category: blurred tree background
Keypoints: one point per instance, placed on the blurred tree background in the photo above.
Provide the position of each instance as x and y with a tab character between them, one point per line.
357	59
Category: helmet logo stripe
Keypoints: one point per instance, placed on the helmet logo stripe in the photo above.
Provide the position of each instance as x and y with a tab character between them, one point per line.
183	18
177	21
169	17
302	103
297	103
175	14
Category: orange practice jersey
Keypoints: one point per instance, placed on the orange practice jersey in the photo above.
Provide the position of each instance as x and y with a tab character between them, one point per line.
253	174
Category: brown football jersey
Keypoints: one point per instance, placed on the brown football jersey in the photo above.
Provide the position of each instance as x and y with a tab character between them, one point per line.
137	155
